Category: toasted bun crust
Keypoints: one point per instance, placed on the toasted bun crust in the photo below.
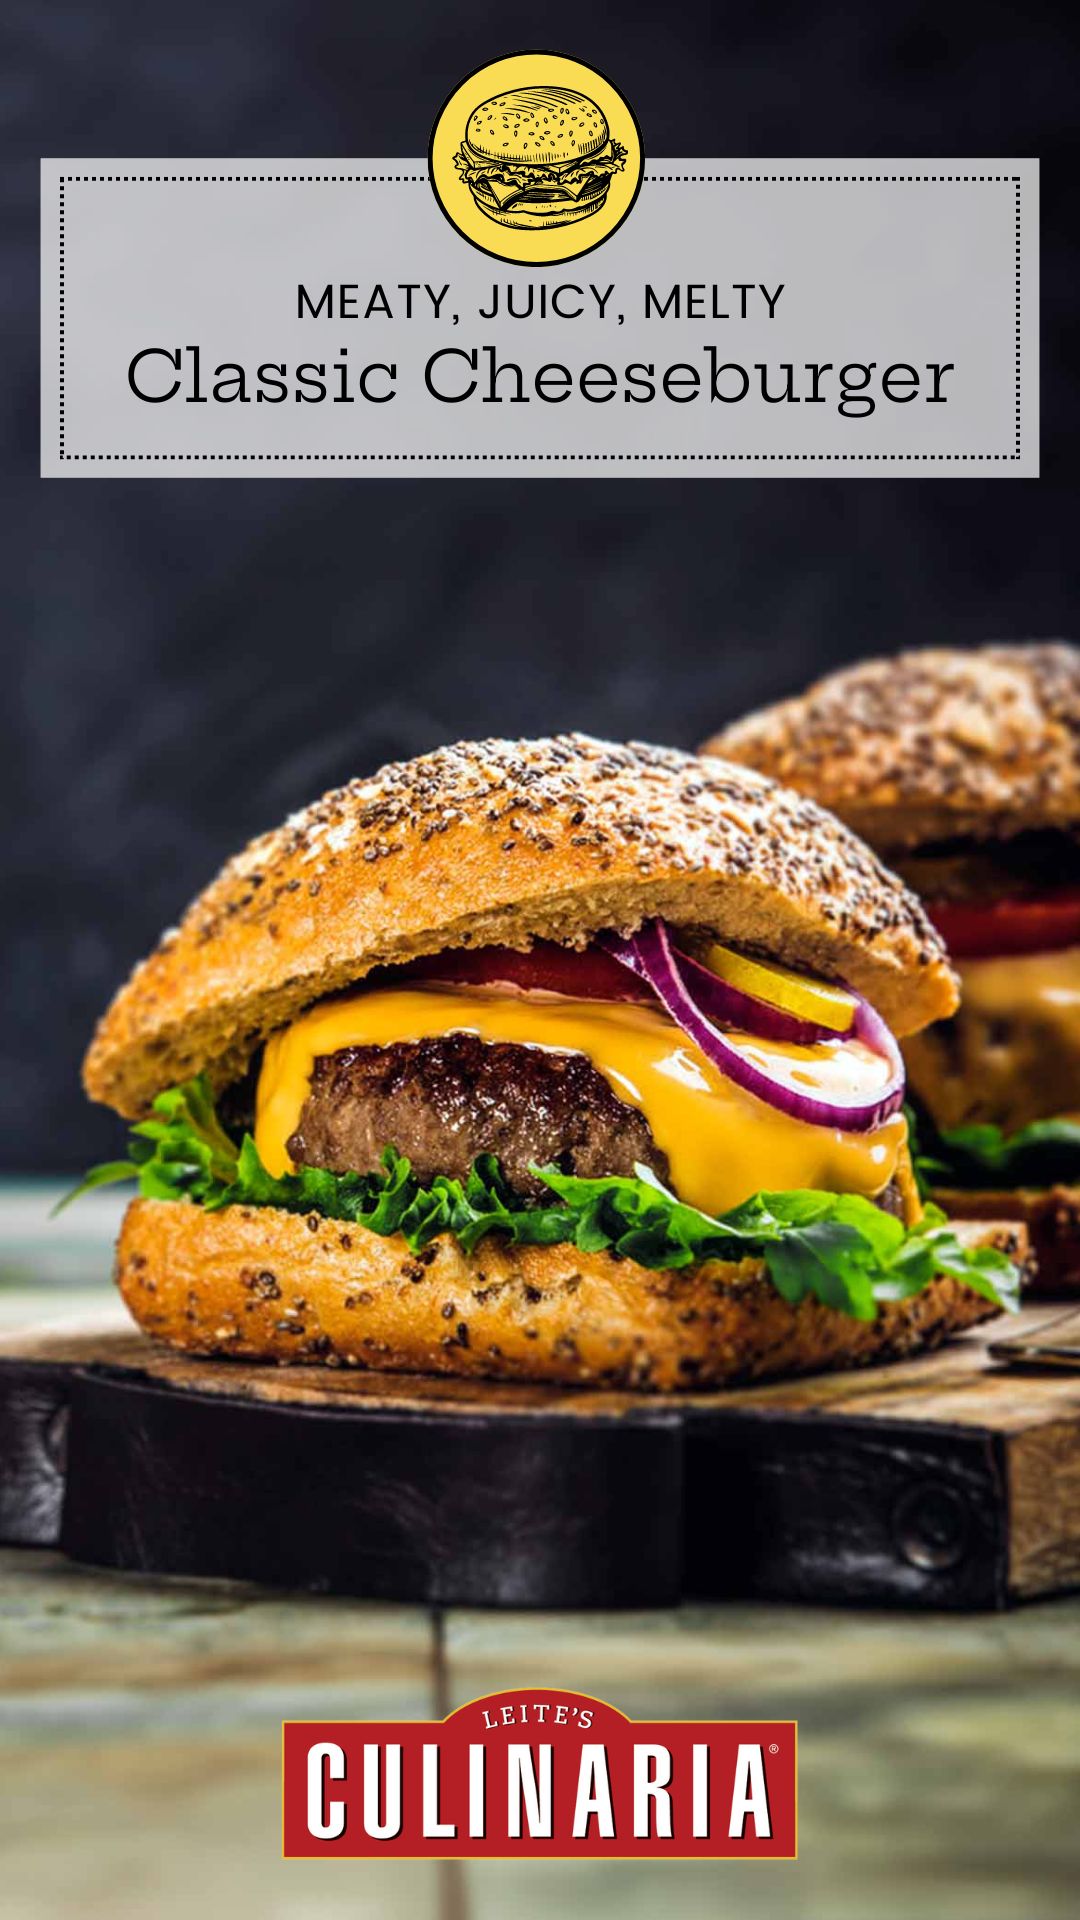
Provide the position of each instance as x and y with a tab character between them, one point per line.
930	745
504	842
537	126
259	1284
1051	1217
542	213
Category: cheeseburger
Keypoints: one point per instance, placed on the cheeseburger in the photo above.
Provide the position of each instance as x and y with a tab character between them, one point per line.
963	771
538	157
543	1060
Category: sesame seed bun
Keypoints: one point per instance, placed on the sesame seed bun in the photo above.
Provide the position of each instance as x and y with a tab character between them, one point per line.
537	126
930	745
254	1283
503	842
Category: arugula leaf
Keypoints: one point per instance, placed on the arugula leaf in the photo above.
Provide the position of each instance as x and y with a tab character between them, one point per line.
105	1175
1044	1154
181	1152
839	1249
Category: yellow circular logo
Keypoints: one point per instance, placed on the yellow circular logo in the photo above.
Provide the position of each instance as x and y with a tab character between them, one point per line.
536	159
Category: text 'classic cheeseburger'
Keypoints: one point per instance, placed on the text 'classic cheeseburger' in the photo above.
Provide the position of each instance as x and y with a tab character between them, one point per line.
538	157
547	1060
963	771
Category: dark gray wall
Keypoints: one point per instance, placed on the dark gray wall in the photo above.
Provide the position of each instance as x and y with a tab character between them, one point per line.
187	661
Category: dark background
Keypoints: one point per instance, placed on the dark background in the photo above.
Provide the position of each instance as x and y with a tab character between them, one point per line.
186	661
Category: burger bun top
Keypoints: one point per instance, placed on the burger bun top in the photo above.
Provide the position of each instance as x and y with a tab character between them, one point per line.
537	126
501	843
932	745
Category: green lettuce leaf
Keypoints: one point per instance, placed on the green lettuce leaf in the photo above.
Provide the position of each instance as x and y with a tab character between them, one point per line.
836	1248
1044	1154
525	173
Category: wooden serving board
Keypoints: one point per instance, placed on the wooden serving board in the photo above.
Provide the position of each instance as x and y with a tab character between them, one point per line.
946	1481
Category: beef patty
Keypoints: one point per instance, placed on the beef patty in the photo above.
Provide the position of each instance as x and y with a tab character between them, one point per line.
444	1101
981	871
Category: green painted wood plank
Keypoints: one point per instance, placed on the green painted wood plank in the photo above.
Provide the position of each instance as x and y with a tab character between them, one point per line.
70	1249
140	1725
938	1771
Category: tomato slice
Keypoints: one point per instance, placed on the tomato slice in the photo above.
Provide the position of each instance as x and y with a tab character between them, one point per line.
546	968
973	930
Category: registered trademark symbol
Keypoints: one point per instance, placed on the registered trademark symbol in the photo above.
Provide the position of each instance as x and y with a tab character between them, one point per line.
774	1748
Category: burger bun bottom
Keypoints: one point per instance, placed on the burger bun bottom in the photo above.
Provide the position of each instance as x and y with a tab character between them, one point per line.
1051	1217
536	214
256	1283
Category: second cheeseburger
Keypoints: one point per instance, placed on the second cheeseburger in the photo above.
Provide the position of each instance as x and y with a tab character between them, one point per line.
544	1060
962	769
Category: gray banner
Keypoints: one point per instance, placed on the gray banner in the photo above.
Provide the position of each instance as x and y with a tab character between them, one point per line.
322	317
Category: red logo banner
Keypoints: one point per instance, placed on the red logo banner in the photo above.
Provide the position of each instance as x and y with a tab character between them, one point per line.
539	1774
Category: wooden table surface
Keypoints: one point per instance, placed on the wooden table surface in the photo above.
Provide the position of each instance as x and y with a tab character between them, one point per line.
140	1724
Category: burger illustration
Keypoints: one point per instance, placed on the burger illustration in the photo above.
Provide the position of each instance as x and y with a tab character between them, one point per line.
962	770
543	1060
539	157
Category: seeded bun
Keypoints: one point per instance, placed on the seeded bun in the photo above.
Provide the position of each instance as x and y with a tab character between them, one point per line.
503	842
257	1283
537	126
930	745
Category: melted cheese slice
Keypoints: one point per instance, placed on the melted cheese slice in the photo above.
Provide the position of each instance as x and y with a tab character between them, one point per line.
1046	985
722	1144
1021	1021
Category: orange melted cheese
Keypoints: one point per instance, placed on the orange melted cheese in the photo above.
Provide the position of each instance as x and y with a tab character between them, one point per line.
1040	987
1018	1028
722	1144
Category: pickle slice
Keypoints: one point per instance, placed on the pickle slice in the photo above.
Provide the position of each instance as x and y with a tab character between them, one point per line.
815	1000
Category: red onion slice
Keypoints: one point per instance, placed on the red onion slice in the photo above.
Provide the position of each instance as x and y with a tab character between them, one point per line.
649	953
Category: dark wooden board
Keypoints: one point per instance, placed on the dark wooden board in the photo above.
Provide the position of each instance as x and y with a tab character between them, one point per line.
942	1482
